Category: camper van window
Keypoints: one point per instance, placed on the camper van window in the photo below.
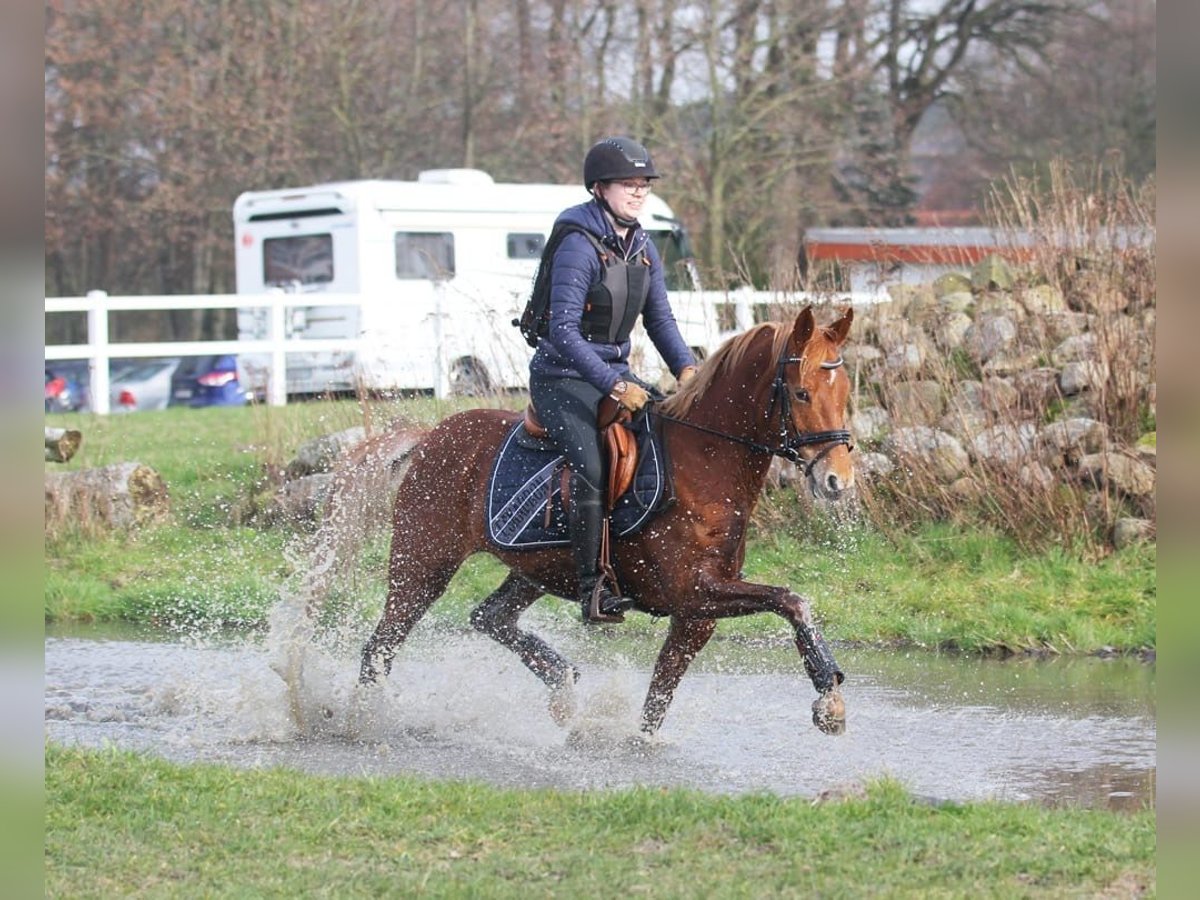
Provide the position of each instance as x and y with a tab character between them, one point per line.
424	255
526	246
298	260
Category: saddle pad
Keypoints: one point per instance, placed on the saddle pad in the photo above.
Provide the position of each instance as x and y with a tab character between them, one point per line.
528	472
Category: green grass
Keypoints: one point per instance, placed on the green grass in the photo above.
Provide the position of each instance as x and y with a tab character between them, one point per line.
945	588
936	587
118	824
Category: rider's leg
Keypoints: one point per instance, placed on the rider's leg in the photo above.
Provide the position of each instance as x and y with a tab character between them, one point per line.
567	408
585	514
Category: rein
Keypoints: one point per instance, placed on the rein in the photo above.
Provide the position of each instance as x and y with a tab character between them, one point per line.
789	444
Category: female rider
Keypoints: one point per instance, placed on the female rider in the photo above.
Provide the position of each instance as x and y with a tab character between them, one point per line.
600	282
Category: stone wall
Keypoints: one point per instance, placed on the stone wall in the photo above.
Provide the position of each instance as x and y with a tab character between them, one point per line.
979	372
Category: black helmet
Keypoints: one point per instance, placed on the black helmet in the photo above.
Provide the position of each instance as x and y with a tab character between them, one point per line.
614	158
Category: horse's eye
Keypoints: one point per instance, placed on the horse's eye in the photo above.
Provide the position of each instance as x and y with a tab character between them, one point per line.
802	395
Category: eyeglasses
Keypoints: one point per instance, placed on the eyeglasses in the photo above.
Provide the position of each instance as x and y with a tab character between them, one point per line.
636	187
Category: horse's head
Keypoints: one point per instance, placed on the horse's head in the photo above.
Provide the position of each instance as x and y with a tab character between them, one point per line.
812	390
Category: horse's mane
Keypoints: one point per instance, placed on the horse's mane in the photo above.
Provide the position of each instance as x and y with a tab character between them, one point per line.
726	358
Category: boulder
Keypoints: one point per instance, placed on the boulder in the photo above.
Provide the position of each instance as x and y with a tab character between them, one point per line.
299	501
966	489
914	402
988	336
322	453
862	357
1006	444
1008	363
994	304
1036	387
1128	531
939	453
869	423
1084	375
991	273
117	497
997	395
898	332
1069	440
957	302
1094	292
871	465
1059	326
949	330
922	307
1146	449
1076	348
964	424
1040	299
1035	476
1118	472
951	283
905	359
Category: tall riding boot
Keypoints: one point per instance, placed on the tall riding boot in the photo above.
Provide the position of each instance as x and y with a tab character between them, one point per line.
586	527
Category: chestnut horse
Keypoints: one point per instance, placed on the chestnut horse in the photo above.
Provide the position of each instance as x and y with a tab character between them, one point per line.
775	389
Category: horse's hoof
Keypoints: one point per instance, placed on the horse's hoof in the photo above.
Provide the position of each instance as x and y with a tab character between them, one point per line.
829	713
562	704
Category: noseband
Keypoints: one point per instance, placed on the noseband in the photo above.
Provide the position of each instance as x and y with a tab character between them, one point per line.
790	441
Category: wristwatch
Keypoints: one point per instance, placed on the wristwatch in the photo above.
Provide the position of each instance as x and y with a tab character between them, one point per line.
618	390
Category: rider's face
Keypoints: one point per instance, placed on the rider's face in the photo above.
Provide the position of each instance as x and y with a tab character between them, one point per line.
626	198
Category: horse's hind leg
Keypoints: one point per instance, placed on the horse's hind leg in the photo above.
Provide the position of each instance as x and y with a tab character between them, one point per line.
409	595
497	617
685	639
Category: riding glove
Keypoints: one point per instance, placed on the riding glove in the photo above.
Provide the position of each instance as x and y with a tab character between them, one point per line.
630	395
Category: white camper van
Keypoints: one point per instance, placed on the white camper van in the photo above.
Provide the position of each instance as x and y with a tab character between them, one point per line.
439	268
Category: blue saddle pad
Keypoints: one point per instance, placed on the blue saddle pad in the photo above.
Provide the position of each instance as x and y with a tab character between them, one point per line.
527	474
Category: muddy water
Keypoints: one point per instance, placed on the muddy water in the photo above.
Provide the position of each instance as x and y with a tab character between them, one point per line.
1078	732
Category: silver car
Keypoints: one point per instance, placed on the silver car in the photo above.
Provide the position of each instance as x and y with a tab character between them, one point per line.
142	385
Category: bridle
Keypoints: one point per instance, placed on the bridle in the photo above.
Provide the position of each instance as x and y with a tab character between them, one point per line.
789	441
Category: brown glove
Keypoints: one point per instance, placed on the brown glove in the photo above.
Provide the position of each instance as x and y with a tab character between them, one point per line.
630	395
686	375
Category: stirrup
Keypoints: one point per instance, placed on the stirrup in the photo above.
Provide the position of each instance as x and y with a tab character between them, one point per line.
612	611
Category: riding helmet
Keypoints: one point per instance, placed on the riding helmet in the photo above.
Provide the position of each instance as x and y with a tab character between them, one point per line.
615	158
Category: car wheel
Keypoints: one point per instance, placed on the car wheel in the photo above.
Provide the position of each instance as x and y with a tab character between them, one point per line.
468	378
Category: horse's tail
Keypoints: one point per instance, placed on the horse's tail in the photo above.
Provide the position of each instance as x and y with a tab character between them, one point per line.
358	504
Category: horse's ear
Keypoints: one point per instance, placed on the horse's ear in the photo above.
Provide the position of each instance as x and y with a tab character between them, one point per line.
838	330
805	326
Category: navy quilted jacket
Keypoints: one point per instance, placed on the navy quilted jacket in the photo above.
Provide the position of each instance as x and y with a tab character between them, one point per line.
564	352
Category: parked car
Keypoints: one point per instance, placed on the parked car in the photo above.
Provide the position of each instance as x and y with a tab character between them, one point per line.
142	384
66	385
207	381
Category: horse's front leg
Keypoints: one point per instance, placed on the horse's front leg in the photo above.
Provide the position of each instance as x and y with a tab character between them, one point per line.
685	639
728	598
497	617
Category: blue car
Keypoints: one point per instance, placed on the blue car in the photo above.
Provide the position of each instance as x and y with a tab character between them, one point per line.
207	381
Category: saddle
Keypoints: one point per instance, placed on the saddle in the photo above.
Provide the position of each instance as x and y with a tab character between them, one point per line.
612	419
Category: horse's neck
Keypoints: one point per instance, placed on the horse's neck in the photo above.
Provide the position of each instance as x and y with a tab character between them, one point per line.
733	413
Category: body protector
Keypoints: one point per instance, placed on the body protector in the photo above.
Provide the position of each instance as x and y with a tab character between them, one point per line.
615	302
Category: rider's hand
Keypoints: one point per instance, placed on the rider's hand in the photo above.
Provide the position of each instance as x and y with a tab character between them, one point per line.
686	375
630	395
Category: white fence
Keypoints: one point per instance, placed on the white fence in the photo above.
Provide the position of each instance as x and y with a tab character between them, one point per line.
99	351
740	306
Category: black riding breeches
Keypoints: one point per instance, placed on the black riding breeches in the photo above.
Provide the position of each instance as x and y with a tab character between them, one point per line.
567	408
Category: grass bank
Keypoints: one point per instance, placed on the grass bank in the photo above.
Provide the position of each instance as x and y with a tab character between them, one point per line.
122	824
935	586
